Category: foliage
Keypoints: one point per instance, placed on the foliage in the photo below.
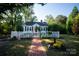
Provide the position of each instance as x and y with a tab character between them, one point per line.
74	12
62	23
57	27
27	13
70	19
47	40
14	38
58	44
70	42
58	24
50	32
34	19
11	6
75	27
14	15
69	24
49	19
13	19
61	19
37	28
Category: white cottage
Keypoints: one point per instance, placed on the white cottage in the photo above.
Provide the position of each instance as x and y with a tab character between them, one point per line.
32	29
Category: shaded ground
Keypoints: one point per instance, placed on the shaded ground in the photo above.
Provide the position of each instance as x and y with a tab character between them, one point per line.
21	47
2	47
72	46
14	48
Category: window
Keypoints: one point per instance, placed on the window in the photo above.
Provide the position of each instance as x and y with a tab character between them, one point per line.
41	28
25	28
45	28
30	29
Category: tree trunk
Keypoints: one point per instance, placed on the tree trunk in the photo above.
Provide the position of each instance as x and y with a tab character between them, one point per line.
54	40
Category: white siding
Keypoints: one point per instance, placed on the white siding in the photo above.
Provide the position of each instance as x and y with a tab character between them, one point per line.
28	31
24	27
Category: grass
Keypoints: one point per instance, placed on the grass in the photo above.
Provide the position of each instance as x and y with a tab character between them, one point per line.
20	47
72	46
16	48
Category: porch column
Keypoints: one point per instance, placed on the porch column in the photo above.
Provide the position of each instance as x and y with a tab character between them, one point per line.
23	28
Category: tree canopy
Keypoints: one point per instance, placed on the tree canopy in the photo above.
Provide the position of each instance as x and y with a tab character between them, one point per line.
12	15
70	19
49	19
61	19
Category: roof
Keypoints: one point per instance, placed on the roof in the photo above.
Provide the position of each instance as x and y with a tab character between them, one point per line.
40	23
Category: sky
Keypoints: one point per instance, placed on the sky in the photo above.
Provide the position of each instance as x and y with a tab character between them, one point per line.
54	9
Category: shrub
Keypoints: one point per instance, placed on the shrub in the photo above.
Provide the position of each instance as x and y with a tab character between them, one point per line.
14	38
58	44
57	27
47	40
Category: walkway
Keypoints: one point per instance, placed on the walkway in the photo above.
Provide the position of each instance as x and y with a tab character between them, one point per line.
36	49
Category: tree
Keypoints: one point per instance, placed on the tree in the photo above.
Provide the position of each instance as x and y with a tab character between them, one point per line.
70	19
14	18
13	15
19	25
11	6
69	24
74	12
75	27
61	19
34	19
27	13
8	20
49	19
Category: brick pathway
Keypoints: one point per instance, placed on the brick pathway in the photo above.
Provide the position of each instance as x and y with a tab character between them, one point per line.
36	49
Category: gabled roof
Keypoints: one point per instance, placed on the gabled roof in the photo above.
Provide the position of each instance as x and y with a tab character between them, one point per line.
39	23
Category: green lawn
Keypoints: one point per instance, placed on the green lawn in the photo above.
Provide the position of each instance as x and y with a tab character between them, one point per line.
72	46
20	47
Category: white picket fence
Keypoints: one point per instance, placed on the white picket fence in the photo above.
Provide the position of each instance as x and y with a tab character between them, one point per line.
25	34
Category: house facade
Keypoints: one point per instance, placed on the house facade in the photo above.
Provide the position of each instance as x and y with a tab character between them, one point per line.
32	29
